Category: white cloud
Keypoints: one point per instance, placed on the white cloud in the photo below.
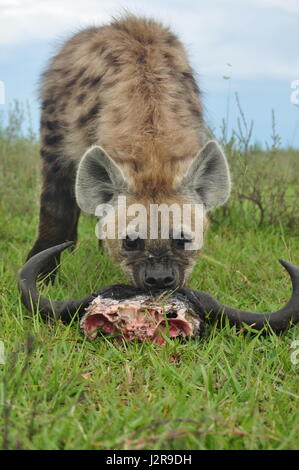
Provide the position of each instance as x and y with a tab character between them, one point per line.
31	20
259	37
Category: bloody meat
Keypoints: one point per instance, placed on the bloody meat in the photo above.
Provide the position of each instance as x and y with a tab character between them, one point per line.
140	319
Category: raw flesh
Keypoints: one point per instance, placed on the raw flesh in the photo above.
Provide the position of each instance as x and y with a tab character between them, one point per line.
140	318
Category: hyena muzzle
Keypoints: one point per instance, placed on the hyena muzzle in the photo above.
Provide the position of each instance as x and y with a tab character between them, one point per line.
122	116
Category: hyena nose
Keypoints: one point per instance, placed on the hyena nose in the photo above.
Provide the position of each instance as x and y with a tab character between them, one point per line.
161	282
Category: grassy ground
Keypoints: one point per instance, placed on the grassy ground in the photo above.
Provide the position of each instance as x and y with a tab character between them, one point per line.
59	391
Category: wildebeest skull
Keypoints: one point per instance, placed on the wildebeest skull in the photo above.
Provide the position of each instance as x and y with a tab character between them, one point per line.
200	303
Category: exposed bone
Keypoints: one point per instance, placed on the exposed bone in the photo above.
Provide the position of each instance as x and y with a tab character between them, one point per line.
140	319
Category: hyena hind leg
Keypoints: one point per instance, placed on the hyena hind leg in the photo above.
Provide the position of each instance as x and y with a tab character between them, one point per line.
59	213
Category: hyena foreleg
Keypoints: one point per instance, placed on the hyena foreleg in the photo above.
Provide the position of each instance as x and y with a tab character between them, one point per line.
59	213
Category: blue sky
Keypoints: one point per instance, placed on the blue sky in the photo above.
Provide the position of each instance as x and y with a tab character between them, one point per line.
258	38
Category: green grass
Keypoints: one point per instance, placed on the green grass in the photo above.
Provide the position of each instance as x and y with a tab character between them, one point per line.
59	391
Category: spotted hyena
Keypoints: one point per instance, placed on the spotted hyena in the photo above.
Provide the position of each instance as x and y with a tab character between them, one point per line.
122	116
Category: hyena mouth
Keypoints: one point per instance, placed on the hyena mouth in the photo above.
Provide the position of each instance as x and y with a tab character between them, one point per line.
154	275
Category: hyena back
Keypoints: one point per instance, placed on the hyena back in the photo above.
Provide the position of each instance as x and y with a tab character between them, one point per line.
128	91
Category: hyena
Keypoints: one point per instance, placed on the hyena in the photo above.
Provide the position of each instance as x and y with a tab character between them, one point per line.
122	115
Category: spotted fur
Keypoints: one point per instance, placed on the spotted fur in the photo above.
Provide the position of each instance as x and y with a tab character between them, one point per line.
128	88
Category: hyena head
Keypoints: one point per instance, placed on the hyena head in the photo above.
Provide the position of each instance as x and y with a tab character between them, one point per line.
155	237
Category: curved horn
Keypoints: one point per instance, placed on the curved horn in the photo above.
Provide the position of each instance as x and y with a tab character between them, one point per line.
279	321
56	309
202	302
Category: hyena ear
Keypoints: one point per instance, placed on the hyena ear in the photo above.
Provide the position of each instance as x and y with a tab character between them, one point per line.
208	176
98	180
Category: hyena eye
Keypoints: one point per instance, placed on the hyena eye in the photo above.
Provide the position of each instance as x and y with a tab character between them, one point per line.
179	243
130	244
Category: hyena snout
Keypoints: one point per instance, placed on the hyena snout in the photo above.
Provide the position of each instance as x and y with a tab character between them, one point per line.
158	274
